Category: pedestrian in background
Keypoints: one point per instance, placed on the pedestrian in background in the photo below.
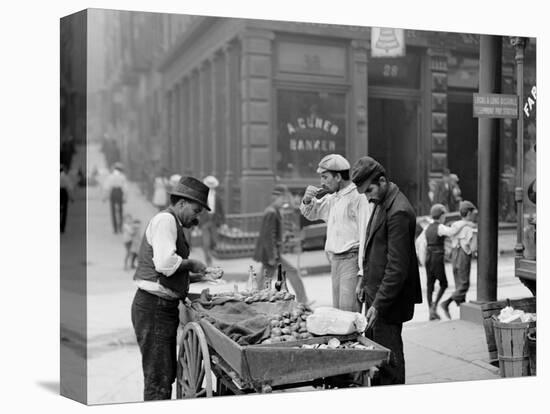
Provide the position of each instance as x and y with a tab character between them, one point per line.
268	249
346	213
127	235
435	255
456	192
66	195
160	190
116	189
464	244
135	241
211	220
443	193
390	285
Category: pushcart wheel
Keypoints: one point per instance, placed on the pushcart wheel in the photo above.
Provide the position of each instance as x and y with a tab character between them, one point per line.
193	364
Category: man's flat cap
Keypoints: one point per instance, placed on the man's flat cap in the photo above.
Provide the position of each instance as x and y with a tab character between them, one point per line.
365	170
333	162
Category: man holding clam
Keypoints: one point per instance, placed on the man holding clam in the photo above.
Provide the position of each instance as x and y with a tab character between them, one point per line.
346	213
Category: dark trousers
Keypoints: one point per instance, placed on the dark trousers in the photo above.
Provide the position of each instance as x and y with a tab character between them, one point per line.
155	322
462	263
389	336
116	209
435	271
291	274
64	204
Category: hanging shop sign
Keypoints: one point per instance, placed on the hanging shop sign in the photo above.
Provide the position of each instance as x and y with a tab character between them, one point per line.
529	106
386	42
494	105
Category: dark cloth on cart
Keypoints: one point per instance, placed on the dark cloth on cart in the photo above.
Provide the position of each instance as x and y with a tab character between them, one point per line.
241	322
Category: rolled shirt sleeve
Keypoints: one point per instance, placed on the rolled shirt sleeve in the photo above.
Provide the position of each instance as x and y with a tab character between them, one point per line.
317	209
162	234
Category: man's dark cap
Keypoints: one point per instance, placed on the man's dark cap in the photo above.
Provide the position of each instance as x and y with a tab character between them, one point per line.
365	170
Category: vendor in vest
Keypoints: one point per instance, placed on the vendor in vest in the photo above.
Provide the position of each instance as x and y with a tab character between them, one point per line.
162	277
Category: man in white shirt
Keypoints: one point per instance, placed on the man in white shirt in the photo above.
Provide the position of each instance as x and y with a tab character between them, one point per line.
211	219
346	213
115	189
162	277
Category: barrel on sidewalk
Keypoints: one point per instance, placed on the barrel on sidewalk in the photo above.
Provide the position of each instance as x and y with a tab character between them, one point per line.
532	345
512	347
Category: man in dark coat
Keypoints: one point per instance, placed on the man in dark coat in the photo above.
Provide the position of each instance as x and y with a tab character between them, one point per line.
269	245
391	281
447	191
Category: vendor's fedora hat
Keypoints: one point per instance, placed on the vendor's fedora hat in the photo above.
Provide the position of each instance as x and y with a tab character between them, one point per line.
192	189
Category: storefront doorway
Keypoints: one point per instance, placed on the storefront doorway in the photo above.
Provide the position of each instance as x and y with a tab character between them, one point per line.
462	143
394	141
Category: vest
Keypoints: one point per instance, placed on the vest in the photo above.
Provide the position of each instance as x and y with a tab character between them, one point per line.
177	282
433	240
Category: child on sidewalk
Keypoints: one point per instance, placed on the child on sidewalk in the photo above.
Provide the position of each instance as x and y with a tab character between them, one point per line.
464	243
127	233
136	242
435	254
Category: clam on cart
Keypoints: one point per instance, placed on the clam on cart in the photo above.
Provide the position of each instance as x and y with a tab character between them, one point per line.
203	350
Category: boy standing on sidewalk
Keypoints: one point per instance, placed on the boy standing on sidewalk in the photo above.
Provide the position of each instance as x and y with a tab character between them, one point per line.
464	243
435	254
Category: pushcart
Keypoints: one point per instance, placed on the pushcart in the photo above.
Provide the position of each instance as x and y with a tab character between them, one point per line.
205	351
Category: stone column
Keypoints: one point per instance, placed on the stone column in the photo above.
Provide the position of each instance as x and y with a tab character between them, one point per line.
438	114
359	113
201	117
194	122
172	123
187	138
231	146
257	124
176	145
214	115
165	141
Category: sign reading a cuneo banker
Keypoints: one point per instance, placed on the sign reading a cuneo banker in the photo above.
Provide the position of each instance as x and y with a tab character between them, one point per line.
387	42
494	105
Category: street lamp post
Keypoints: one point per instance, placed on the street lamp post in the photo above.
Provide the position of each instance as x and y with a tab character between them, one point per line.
519	44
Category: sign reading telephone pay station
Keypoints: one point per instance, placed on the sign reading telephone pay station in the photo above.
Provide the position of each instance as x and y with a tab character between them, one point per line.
494	105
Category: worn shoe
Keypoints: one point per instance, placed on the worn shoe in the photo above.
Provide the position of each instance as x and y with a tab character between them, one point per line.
434	315
445	306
